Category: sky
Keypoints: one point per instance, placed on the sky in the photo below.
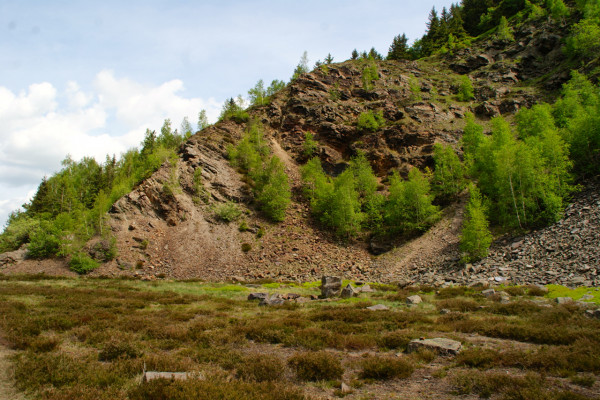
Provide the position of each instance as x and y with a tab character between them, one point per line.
87	78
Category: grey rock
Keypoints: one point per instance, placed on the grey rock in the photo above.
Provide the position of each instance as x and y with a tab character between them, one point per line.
563	300
258	296
366	289
274	300
348	292
416	299
586	297
330	286
488	292
345	388
378	307
593	313
441	346
444	311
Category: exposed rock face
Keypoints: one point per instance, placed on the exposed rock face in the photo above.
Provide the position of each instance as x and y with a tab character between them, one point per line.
166	227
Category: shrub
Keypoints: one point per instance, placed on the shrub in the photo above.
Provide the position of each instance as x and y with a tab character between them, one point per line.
370	122
44	242
243	227
310	145
246	247
465	89
261	368
316	366
384	368
228	211
395	340
116	350
82	263
370	74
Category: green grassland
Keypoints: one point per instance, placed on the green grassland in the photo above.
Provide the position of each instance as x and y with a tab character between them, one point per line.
92	338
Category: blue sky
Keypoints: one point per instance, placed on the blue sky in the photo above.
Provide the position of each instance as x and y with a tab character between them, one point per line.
88	77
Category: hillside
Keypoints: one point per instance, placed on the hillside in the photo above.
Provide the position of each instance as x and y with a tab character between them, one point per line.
165	233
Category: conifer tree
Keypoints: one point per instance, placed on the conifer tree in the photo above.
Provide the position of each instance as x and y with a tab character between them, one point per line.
399	48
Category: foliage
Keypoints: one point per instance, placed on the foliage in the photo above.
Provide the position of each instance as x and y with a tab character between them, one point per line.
475	238
302	67
415	87
228	211
370	121
465	89
409	206
504	32
258	94
82	263
316	366
186	128
525	180
200	192
399	49
370	73
449	173
384	368
234	110
202	120
270	181
310	145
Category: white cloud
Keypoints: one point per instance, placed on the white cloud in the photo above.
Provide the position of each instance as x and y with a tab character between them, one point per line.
40	126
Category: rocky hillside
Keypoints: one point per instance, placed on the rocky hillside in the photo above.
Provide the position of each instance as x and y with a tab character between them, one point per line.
163	232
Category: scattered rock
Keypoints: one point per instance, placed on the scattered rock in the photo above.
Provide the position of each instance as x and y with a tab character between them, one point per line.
348	292
593	313
330	286
345	389
563	300
258	296
416	299
441	346
488	292
274	300
366	289
378	307
586	297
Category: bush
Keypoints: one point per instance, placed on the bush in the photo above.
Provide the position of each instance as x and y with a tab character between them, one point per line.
44	242
246	247
117	350
370	122
465	90
261	368
228	211
316	366
310	145
82	263
384	368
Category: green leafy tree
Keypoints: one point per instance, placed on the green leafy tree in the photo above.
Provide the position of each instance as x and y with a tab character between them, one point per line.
274	87
202	120
272	189
449	174
370	73
344	212
370	121
558	10
465	89
310	145
302	67
329	59
585	39
186	128
475	238
258	94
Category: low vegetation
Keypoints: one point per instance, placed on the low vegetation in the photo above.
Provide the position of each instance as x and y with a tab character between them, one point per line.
90	339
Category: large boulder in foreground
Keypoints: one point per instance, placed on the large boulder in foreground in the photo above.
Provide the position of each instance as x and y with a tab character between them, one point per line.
330	286
442	346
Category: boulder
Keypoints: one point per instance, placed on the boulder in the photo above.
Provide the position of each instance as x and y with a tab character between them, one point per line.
366	289
330	286
348	292
258	296
441	346
274	300
378	307
563	300
488	292
593	313
416	299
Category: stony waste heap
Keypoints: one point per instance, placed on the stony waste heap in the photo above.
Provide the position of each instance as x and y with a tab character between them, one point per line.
566	253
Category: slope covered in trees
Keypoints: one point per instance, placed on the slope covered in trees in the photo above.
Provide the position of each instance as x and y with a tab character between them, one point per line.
372	149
